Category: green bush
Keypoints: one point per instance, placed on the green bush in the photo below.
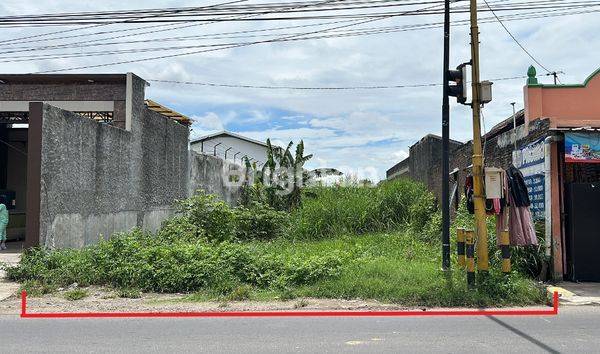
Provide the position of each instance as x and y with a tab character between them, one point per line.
127	293
139	261
76	294
214	217
205	217
259	222
330	211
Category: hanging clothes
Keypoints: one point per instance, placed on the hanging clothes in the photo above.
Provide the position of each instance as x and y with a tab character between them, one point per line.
469	194
516	216
517	187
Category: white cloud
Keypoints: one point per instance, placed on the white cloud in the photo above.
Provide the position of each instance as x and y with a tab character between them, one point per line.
359	128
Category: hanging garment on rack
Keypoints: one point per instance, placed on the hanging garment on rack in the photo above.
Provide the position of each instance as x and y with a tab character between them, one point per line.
502	217
517	187
519	223
469	194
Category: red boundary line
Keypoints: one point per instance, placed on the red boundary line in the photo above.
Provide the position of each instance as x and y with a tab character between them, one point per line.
552	312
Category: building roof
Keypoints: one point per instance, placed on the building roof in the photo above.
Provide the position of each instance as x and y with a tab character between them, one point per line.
167	112
437	137
506	125
230	134
61	78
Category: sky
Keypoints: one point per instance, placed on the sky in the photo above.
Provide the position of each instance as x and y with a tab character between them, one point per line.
361	132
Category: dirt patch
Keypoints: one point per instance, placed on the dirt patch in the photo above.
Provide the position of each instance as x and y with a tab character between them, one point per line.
106	300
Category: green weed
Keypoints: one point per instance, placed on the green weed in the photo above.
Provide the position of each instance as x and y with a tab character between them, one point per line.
76	294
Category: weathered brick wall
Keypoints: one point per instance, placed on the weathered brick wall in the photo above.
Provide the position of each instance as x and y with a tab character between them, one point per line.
425	156
498	153
401	169
425	161
63	92
93	91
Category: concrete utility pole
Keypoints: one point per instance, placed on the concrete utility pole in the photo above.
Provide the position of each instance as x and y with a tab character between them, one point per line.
478	192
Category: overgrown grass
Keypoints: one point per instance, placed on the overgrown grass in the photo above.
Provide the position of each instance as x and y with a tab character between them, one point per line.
334	211
377	243
398	268
140	261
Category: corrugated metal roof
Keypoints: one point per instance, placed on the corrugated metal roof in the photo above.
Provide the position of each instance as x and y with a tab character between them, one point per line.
227	133
167	112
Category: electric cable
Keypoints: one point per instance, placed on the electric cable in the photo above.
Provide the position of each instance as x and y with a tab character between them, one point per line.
311	88
515	39
214	49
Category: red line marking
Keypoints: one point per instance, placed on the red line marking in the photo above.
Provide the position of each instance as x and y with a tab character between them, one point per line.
552	312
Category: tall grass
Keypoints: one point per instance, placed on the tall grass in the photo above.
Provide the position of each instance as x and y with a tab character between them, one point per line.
397	204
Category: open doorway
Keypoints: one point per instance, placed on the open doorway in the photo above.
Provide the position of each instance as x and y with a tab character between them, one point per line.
13	179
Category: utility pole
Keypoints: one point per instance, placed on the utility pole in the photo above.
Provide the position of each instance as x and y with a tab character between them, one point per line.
478	192
445	144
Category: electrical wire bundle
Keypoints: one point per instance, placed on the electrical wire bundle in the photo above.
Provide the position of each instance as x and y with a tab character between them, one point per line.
344	18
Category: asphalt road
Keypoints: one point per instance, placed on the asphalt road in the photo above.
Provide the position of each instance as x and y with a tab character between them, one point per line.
575	329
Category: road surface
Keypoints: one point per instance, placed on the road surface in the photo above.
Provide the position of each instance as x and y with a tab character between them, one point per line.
575	329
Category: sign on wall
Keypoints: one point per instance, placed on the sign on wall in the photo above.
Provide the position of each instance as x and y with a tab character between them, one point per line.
530	161
582	147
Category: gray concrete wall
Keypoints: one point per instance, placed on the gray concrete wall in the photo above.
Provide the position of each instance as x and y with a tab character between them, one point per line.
97	179
210	173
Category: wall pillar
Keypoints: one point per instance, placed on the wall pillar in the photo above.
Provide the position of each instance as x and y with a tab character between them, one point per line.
557	239
34	171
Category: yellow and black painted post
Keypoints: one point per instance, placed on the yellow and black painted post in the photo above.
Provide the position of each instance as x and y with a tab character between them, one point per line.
470	243
505	249
460	246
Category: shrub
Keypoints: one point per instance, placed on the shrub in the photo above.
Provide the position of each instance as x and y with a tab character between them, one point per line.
36	288
214	217
76	294
330	211
240	293
129	293
137	261
259	222
180	228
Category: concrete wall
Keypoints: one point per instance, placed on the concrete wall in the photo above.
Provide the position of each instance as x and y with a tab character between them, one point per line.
565	105
210	173
97	179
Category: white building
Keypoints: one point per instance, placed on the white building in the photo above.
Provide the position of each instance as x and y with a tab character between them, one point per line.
231	147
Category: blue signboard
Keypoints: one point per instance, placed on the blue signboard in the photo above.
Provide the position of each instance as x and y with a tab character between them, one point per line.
530	161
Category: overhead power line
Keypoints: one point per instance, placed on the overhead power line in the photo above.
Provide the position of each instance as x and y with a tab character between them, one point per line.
93	26
515	39
251	34
215	36
208	16
10	58
314	88
169	27
227	47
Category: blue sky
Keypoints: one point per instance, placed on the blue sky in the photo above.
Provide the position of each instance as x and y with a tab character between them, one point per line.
363	132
